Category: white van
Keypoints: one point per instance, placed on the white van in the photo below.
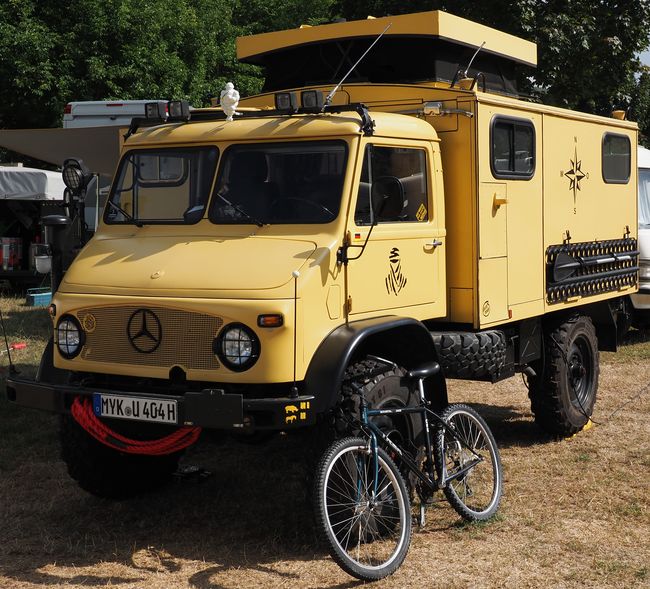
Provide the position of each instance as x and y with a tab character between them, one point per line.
102	113
641	300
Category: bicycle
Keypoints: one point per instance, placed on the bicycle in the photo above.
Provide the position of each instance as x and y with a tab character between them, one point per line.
362	504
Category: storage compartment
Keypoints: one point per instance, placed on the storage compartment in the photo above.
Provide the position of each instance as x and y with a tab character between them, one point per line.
38	297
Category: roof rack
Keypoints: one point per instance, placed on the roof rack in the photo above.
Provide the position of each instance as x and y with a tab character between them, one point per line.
366	124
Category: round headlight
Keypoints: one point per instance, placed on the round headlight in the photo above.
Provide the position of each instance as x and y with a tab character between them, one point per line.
237	347
69	336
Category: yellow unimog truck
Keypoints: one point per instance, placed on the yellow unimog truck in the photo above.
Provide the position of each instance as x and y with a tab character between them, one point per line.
247	270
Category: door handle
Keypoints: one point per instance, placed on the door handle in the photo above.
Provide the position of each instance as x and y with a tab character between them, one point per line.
434	244
499	200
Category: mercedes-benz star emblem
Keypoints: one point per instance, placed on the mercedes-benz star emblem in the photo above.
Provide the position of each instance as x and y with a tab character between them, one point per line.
144	331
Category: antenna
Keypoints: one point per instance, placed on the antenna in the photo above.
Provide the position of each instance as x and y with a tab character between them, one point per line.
471	61
295	274
328	100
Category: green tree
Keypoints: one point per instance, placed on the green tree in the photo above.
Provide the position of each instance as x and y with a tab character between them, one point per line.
586	48
640	106
55	52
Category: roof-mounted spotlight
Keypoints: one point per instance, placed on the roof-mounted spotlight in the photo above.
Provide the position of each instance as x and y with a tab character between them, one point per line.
312	100
286	101
178	110
156	111
76	175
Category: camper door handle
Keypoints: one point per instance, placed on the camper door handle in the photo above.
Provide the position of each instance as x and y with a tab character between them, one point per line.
500	199
434	244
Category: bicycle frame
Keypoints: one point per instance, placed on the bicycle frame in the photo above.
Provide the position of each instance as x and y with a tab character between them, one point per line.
430	479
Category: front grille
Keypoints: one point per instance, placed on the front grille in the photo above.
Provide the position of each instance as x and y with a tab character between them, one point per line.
185	337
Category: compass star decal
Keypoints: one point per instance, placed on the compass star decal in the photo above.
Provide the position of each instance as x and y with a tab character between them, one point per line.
575	175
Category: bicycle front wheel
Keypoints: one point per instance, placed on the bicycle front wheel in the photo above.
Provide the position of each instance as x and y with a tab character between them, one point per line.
362	509
467	459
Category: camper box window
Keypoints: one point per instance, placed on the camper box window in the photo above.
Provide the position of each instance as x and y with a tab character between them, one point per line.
616	158
512	148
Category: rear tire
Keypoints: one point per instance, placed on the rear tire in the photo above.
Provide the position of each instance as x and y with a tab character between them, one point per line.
476	494
368	534
563	393
107	473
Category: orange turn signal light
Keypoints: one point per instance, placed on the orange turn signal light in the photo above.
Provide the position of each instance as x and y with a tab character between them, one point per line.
272	320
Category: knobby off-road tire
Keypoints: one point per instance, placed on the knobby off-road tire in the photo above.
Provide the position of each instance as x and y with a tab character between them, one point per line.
383	387
476	494
367	534
563	393
469	355
107	473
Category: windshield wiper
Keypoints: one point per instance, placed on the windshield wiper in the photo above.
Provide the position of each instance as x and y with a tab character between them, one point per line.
126	215
240	210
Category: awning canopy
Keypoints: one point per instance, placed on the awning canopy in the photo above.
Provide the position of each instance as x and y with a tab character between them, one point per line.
18	183
98	147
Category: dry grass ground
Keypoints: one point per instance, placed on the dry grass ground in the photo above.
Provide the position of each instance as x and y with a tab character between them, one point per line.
575	512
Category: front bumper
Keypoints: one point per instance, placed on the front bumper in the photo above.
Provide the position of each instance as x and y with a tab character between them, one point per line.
209	408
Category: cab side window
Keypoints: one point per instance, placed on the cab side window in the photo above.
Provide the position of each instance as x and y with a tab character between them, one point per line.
393	186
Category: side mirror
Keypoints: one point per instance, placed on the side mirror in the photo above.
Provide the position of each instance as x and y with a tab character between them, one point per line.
194	214
387	198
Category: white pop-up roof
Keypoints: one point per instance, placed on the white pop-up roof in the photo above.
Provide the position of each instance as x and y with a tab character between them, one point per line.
18	183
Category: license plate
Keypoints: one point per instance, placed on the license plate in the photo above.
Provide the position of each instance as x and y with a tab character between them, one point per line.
135	408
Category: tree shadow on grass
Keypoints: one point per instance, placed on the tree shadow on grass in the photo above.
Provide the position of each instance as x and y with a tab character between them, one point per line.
512	427
26	322
252	518
253	512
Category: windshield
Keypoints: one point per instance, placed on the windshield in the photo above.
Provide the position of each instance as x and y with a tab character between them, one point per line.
644	197
270	183
162	186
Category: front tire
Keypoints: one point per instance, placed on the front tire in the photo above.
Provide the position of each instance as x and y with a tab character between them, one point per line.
383	387
107	473
465	438
365	521
563	396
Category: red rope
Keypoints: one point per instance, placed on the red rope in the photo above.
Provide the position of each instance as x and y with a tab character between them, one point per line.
183	437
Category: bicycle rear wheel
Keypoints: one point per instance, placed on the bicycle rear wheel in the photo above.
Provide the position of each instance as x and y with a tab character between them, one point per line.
467	457
362	509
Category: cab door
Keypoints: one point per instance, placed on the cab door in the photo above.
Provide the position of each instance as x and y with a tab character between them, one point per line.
401	266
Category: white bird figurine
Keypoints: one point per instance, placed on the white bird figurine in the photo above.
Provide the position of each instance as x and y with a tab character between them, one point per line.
229	100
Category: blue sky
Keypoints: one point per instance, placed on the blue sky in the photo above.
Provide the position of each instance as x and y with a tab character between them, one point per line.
645	57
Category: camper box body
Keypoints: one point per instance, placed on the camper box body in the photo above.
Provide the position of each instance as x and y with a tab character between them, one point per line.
572	181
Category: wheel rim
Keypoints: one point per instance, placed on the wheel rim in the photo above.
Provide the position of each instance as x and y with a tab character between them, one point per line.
479	488
368	528
580	369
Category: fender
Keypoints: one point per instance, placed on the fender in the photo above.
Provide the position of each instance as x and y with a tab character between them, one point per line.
403	340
